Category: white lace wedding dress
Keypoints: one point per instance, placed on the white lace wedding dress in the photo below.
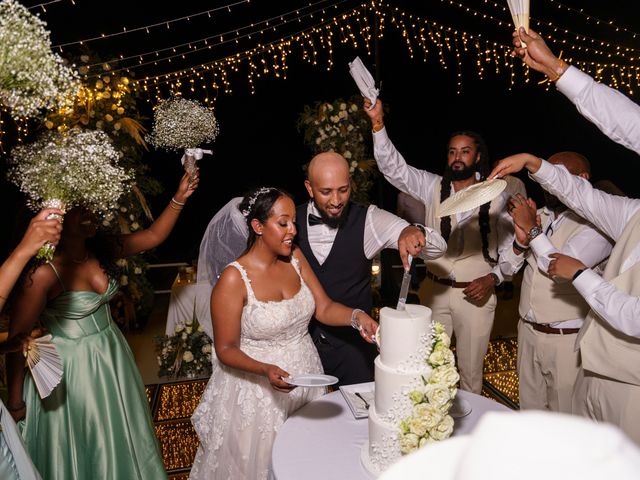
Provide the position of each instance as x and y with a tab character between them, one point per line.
240	413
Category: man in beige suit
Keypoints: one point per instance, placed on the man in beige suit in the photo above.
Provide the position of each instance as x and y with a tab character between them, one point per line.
460	286
551	311
608	385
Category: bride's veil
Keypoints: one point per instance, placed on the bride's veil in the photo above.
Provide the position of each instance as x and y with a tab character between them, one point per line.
224	240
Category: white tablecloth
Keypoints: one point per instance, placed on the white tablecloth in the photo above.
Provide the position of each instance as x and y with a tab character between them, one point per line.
323	440
184	297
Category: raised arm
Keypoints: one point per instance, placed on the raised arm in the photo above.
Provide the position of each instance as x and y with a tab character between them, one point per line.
39	231
334	313
134	243
413	181
227	300
617	116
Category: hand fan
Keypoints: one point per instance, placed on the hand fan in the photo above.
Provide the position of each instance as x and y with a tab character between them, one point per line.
519	13
472	197
44	363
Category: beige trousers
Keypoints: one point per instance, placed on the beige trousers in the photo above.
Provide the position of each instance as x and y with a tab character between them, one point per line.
606	400
471	324
547	369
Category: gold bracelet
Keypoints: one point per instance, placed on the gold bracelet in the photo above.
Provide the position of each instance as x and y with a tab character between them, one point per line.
174	207
377	126
560	70
177	202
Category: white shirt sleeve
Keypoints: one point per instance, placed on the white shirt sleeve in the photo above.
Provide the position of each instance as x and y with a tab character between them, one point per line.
383	228
609	213
413	181
617	308
504	268
612	112
589	246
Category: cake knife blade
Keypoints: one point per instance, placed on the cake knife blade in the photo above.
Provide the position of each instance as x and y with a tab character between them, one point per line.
404	287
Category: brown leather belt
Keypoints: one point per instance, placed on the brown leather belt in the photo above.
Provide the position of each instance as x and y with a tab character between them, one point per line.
540	327
447	281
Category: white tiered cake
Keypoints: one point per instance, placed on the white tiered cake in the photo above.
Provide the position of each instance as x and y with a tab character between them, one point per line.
410	404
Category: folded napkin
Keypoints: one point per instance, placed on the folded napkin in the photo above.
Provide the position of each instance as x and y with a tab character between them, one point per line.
364	80
356	405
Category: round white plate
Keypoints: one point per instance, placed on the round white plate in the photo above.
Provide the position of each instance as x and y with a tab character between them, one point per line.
311	380
460	408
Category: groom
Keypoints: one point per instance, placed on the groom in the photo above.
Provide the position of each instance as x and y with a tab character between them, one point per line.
340	239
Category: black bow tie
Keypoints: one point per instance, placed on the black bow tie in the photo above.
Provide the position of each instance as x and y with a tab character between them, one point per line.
315	220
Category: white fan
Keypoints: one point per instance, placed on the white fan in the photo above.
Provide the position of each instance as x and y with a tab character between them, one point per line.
45	364
472	197
519	13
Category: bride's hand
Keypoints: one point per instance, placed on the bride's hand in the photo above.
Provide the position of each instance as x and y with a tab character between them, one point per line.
275	375
367	327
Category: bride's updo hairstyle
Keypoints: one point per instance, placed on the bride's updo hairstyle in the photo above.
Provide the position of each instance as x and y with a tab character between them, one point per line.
258	204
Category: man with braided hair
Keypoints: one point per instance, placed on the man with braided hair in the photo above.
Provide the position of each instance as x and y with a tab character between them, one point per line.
461	284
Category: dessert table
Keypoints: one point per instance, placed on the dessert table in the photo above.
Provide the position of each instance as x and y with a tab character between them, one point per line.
323	440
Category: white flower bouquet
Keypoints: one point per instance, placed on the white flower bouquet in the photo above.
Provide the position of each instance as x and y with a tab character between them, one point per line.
186	353
74	168
430	420
32	77
181	124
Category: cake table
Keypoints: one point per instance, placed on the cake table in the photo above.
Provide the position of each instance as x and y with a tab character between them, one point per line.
323	440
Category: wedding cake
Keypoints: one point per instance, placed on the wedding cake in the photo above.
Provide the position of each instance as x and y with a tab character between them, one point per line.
415	384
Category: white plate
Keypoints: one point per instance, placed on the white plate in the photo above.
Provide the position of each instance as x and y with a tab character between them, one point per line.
311	380
460	408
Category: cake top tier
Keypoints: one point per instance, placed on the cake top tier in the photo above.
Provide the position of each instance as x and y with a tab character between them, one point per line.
405	337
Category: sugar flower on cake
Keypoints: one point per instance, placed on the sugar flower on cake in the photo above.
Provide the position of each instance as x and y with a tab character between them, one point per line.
68	169
429	420
32	77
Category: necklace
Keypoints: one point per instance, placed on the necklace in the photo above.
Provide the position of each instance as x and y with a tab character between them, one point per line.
82	260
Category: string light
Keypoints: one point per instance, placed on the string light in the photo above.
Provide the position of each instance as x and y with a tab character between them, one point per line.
146	28
594	19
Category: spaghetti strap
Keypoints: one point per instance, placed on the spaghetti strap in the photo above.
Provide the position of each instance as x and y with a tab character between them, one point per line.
57	275
245	279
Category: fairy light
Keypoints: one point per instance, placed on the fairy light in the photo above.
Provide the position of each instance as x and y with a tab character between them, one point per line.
146	28
592	18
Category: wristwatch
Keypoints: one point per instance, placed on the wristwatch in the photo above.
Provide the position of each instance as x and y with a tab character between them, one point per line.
496	279
534	232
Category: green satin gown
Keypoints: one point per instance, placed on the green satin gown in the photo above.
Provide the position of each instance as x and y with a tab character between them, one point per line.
96	423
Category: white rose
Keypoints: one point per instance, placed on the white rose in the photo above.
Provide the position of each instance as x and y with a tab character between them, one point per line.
135	226
137	270
343	106
122	263
189	330
318	140
347	154
206	348
431	415
343	114
184	335
441	355
409	442
200	328
446	375
354	107
417	426
188	321
443	430
350	127
179	328
329	107
124	280
438	328
443	339
438	395
187	356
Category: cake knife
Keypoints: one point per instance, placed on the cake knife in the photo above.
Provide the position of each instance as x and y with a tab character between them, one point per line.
404	288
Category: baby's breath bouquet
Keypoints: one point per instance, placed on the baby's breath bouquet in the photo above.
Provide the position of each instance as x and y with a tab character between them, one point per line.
73	168
186	353
340	126
429	420
181	124
32	77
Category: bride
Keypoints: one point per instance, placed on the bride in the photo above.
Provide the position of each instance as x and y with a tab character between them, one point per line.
261	307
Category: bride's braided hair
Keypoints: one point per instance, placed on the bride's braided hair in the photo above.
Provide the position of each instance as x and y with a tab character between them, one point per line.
483	168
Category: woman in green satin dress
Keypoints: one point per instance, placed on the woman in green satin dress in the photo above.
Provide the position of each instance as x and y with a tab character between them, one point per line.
96	423
15	463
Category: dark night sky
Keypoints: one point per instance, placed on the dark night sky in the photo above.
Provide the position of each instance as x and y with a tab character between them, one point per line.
259	142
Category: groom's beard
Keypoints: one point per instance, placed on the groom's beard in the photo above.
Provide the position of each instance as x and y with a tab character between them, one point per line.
461	174
335	222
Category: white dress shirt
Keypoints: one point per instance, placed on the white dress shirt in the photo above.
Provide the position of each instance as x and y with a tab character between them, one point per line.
611	111
420	184
381	230
609	213
589	246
